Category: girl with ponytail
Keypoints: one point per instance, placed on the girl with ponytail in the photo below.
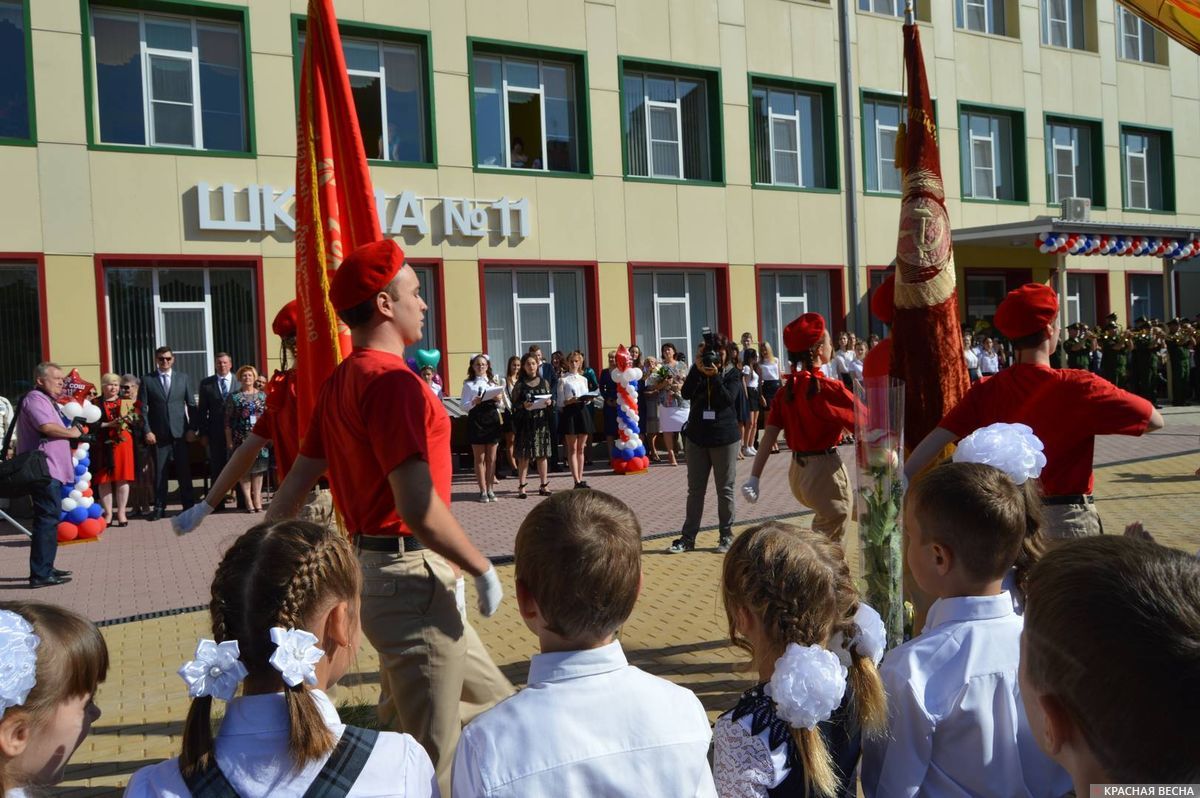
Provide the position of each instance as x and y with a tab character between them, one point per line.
285	622
792	605
957	721
812	411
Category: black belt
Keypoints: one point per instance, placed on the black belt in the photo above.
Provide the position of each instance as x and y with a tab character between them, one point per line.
1075	498
392	544
798	456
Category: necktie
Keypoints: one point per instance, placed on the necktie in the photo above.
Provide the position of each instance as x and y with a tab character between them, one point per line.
224	387
166	381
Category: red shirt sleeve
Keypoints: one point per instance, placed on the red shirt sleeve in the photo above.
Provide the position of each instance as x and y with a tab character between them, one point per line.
836	403
313	446
265	427
394	403
1112	411
963	418
775	414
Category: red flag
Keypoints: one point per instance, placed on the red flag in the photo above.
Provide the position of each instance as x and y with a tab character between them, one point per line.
335	203
927	349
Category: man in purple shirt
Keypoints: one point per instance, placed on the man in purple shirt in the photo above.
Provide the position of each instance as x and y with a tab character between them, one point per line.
41	426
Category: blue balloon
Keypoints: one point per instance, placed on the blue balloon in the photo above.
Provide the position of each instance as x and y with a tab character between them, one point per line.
66	490
62	517
80	469
86	462
95	511
78	515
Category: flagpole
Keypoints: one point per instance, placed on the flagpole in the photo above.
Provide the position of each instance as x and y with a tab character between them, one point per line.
910	18
856	320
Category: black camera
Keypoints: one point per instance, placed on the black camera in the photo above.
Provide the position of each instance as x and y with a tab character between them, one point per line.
711	356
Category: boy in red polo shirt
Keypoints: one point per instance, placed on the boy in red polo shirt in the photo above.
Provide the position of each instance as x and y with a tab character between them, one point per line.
1066	408
385	441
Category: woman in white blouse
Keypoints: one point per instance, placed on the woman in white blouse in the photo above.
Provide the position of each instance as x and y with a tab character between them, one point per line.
576	422
484	422
856	365
673	408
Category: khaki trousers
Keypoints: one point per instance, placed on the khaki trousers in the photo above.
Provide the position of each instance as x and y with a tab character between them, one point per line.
1067	521
434	673
821	482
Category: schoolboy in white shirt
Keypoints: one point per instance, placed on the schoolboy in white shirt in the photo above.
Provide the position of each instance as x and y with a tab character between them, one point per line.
588	723
956	721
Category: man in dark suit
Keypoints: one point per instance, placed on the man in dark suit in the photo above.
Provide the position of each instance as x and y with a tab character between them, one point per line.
214	390
171	416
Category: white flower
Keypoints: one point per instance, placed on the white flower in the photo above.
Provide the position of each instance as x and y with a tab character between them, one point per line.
869	641
296	655
18	660
1012	448
216	671
807	686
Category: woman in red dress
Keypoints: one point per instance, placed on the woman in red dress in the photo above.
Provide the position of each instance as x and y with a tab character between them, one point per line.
115	470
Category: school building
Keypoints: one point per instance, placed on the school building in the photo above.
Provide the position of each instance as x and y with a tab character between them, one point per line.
579	174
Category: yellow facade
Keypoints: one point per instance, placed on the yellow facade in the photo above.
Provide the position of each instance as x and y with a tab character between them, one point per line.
70	201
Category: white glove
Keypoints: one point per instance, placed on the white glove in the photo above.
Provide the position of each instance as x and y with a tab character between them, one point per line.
750	490
191	518
460	596
487	585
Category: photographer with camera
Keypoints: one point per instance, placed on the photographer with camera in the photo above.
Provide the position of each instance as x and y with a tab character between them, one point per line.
41	426
711	437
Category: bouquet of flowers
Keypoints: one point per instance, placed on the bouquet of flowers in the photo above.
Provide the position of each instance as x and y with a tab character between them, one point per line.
126	421
879	428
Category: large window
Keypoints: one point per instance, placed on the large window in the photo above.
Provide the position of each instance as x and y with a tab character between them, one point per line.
1081	299
784	295
793	135
981	16
389	81
671	123
534	306
168	81
1074	160
20	327
528	111
1136	39
878	277
881	122
16	99
196	311
1146	160
1145	296
429	293
985	292
1063	24
673	306
990	157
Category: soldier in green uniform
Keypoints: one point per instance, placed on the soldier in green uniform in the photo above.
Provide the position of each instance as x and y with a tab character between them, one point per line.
1144	361
1114	345
1180	340
1078	346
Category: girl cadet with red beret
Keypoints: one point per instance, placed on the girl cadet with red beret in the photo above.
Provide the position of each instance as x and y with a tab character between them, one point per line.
1066	408
813	411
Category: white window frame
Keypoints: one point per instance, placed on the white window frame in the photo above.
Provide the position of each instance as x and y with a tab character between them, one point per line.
885	160
677	108
989	18
1066	24
540	91
658	302
1130	158
897	7
522	344
974	138
1055	174
794	119
381	75
145	54
1132	46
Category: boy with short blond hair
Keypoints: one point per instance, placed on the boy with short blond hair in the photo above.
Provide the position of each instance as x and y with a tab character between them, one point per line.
588	723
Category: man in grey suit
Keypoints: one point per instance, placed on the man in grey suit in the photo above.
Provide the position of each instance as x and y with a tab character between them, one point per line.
171	416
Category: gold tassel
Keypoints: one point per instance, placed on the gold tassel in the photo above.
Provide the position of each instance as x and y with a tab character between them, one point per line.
901	142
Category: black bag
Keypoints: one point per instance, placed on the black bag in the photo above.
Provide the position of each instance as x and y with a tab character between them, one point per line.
26	473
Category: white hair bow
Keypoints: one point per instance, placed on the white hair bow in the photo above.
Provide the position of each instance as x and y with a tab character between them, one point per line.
1012	448
869	641
296	655
18	660
216	671
808	685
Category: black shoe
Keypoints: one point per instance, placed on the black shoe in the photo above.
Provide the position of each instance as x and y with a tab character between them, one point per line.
681	545
156	515
49	581
723	545
582	486
60	572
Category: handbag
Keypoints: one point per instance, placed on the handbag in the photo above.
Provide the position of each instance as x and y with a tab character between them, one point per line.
26	473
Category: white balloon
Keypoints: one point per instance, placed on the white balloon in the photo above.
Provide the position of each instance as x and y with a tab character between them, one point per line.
72	410
75	494
87	477
85	446
78	455
86	501
91	414
83	485
69	504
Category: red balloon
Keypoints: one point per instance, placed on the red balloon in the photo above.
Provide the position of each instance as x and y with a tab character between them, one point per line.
91	528
87	492
67	532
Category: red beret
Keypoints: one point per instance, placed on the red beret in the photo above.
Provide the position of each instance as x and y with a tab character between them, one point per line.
1027	310
883	301
804	332
366	272
287	320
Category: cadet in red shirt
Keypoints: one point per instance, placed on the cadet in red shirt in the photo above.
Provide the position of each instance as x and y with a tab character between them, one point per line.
385	440
813	411
279	426
1066	408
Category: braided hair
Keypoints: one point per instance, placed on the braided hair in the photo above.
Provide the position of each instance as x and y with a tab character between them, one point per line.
277	574
797	583
806	360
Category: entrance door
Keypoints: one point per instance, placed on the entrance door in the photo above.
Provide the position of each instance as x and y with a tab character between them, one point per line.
985	292
1081	299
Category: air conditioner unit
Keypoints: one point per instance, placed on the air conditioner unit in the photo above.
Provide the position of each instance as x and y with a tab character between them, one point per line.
1077	209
